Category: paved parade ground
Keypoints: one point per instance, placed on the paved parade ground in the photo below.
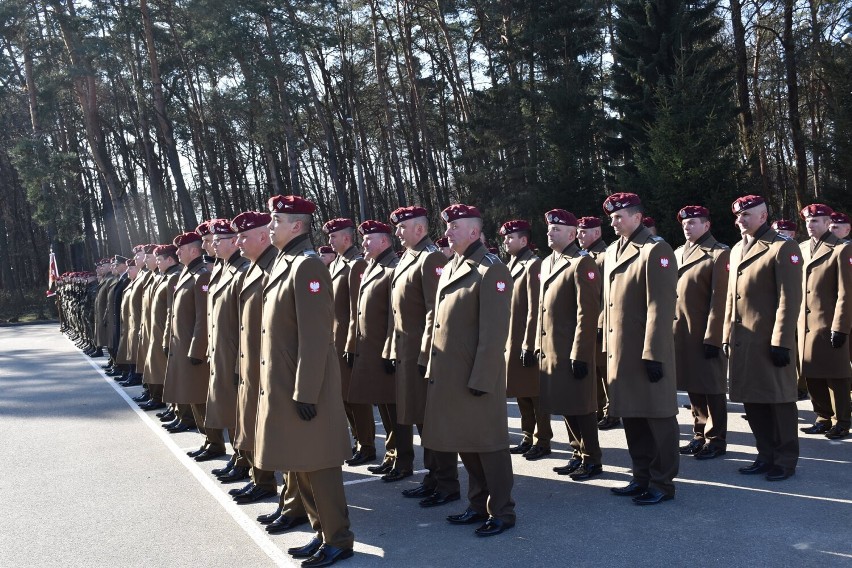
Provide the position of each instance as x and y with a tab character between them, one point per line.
91	480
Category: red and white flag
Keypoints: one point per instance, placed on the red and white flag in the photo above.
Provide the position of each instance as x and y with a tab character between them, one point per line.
52	275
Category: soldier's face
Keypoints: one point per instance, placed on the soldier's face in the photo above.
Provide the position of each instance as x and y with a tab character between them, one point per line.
559	236
461	233
224	246
694	229
817	226
207	245
750	220
327	258
841	230
624	223
340	241
587	237
150	261
514	243
281	231
407	232
374	245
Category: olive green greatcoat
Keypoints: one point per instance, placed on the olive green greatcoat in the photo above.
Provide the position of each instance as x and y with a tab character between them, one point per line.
523	382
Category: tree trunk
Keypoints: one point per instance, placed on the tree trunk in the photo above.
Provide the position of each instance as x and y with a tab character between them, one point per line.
792	80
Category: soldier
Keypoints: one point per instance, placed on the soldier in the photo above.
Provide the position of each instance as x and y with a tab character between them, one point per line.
590	238
568	321
346	273
372	380
785	227
764	298
444	246
702	288
824	323
154	371
131	306
640	282
840	225
301	424
327	254
107	281
650	224
466	395
113	316
149	282
521	366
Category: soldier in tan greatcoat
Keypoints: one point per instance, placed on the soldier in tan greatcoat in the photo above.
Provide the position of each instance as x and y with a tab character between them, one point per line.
112	319
149	284
154	371
568	321
522	380
466	396
764	299
128	315
824	323
301	424
346	272
640	281
104	274
841	227
373	371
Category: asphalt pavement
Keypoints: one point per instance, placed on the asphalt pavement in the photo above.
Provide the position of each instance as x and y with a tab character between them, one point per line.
90	480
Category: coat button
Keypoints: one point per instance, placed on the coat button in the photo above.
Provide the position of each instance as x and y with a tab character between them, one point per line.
739	297
242	328
544	333
434	353
739	273
262	362
437	326
261	392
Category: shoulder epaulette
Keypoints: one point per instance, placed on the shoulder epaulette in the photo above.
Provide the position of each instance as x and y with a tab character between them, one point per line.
657	238
430	248
491	258
780	237
310	252
722	246
584	252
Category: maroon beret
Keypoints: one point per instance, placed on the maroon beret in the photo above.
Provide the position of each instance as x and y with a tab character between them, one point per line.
325	249
784	225
838	217
138	248
371	227
119	259
335	225
649	222
220	227
131	262
186	238
291	204
619	201
149	249
406	213
560	217
693	212
203	229
816	210
514	226
443	242
588	222
460	211
165	250
250	220
746	202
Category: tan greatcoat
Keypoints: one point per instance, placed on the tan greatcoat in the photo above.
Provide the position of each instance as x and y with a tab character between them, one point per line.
763	303
345	297
522	382
597	251
223	344
187	383
827	307
102	329
702	289
126	315
132	299
568	324
640	291
298	363
413	286
369	383
469	334
251	285
156	361
143	337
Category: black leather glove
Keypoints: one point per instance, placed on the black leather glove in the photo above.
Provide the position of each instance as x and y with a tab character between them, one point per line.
195	361
726	349
527	358
780	356
349	358
837	339
422	370
580	369
166	350
654	370
475	392
236	379
600	335
306	410
711	351
390	366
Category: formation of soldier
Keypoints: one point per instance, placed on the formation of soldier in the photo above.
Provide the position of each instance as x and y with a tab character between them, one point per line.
288	350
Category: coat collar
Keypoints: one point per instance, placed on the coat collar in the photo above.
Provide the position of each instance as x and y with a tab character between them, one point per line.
637	240
261	267
517	263
764	237
692	254
375	268
411	255
464	265
286	258
344	260
826	247
559	261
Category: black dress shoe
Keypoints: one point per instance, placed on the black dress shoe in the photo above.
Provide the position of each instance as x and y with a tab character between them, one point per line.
197	452
181	427
632	489
693	447
818	428
381	469
536	453
244	489
757	467
493	527
361	457
208	455
608	423
469	517
437	498
709	451
328	555
270	517
219	471
569	468
254	495
521	448
284	523
397	475
418	492
166	416
175	421
587	471
837	433
98	353
307	550
651	497
777	473
152	405
235	474
144	397
132	381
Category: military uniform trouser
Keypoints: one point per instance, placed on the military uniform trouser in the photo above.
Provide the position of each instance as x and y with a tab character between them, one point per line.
443	475
654	447
583	437
710	418
325	503
215	438
490	483
830	398
775	434
535	424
